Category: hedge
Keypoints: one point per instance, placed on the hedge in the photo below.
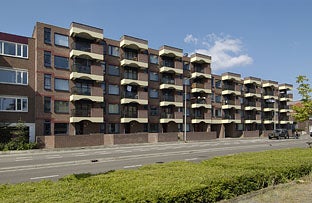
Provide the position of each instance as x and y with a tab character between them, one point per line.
208	181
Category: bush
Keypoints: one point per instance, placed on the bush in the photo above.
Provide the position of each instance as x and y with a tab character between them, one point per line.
208	181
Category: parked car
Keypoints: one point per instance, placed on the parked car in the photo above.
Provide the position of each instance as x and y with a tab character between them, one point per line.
279	133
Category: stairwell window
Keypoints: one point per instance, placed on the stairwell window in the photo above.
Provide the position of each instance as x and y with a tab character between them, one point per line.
61	40
61	84
47	35
113	50
61	107
61	62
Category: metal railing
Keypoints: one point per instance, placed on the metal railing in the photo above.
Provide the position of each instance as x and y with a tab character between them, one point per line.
130	114
81	112
81	90
81	68
82	46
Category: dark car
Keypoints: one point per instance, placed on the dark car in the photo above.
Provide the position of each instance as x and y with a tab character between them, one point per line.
279	133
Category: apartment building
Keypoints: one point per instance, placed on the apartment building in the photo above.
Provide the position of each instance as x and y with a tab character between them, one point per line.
17	81
80	82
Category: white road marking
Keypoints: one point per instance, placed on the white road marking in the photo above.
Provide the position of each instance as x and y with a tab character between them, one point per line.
123	151
53	156
103	152
133	166
23	158
80	154
192	159
44	177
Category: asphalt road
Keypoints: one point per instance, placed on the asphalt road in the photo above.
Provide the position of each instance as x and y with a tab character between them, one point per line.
36	165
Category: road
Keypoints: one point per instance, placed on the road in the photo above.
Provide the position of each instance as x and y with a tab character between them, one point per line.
36	165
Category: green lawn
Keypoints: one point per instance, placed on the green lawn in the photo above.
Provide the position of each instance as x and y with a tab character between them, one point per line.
208	181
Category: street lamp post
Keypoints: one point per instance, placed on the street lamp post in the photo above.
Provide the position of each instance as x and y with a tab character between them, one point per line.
184	133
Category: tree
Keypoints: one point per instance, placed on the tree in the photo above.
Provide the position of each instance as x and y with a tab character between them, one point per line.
303	110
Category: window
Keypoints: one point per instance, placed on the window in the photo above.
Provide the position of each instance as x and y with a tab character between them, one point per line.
47	35
212	97
61	84
47	104
153	59
47	127
60	40
61	62
47	59
113	128
113	89
47	81
102	128
113	70
187	112
153	93
113	51
14	104
186	65
218	113
13	76
212	82
181	127
153	110
218	84
61	106
218	99
153	127
186	81
153	76
103	86
113	108
60	128
14	49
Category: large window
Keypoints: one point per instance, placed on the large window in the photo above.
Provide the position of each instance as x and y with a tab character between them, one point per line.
217	98
14	104
47	35
153	59
113	128
47	59
14	49
113	108
153	93
153	76
113	70
113	89
47	81
47	127
186	65
60	128
61	84
153	110
218	84
113	51
61	106
61	40
47	104
18	77
61	62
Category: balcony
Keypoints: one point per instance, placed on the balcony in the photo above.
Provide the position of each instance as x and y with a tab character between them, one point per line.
140	116
202	118
134	60
85	31
231	89
231	76
252	80
269	83
270	107
80	71
171	51
200	58
269	120
253	119
252	92
168	100
201	103
140	79
200	88
231	118
133	43
252	106
87	51
168	66
228	104
286	97
92	115
171	83
176	117
135	97
287	87
84	93
270	95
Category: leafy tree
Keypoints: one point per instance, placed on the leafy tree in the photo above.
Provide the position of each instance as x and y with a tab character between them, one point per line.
303	110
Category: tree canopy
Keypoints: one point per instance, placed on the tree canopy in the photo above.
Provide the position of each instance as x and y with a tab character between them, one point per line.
303	110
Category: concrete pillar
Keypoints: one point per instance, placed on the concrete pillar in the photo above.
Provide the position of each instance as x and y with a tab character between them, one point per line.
222	131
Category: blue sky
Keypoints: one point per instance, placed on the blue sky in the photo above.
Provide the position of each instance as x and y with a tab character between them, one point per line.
270	39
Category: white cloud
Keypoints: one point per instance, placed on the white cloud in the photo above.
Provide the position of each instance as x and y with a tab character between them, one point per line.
190	39
225	51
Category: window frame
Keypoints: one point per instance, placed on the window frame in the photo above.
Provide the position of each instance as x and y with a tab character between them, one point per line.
111	52
114	106
18	101
45	55
115	68
61	35
47	35
57	105
47	101
55	84
109	89
17	46
17	73
46	78
59	67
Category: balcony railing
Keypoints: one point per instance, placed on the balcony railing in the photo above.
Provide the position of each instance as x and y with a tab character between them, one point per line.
130	114
249	90
131	56
229	102
131	76
81	112
269	93
228	87
167	115
250	103
130	95
168	98
81	46
269	105
200	101
268	118
226	116
81	68
168	81
167	63
199	69
81	90
250	117
199	116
